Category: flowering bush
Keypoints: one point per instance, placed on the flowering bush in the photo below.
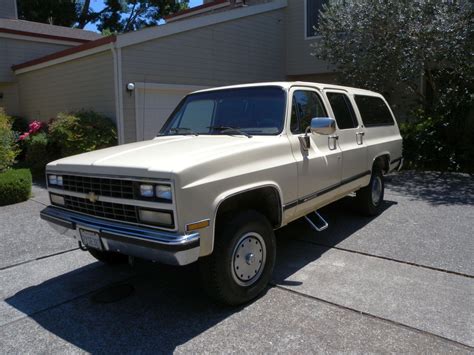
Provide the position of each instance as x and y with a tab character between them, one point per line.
83	131
34	127
8	148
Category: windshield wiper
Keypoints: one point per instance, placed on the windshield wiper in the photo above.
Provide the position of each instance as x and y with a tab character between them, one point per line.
229	129
184	130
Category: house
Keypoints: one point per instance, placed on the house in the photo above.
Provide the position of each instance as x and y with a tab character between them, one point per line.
137	78
22	41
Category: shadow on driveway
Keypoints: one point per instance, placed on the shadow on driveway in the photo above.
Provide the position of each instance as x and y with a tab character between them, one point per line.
434	187
167	308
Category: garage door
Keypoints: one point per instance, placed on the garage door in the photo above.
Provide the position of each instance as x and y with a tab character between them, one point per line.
154	103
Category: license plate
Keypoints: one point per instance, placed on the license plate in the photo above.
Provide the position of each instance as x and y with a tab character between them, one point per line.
90	239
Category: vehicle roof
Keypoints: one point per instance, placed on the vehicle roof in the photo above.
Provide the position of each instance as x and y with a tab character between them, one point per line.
288	84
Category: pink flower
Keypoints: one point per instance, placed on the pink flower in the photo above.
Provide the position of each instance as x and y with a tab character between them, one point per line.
35	126
23	136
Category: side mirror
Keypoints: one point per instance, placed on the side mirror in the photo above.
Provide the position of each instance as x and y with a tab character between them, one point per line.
323	125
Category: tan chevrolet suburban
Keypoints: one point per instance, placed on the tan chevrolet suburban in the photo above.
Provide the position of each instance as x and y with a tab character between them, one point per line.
230	166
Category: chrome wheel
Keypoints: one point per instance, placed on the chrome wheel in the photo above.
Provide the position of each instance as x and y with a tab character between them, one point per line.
248	259
376	190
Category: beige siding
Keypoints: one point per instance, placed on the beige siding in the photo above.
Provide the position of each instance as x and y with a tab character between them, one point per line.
85	83
299	58
245	50
15	51
9	98
8	9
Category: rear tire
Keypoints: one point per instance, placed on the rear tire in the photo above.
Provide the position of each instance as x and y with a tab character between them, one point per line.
242	262
108	257
370	198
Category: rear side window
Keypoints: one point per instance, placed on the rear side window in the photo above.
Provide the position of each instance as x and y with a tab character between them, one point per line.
343	111
374	111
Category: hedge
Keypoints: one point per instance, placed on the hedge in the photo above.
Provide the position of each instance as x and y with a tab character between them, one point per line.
15	186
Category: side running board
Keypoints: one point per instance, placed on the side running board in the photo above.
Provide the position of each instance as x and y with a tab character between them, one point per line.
316	221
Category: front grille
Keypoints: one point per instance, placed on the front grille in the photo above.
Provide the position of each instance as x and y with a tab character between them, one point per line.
109	210
100	186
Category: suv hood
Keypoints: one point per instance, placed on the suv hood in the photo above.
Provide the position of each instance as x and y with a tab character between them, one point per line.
162	156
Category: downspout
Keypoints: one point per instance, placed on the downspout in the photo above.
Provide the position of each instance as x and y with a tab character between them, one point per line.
117	57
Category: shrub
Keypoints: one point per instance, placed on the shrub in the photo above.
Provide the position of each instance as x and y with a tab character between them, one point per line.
435	143
82	131
19	124
15	186
38	153
8	147
36	149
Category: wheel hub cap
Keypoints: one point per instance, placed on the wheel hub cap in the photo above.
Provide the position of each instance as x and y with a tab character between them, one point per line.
376	190
248	259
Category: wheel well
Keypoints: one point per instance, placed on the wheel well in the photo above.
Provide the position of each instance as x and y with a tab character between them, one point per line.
382	162
265	200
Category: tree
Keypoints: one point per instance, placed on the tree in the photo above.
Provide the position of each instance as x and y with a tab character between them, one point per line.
423	48
117	16
129	15
54	12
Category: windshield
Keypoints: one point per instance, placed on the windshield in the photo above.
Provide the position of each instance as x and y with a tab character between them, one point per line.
247	111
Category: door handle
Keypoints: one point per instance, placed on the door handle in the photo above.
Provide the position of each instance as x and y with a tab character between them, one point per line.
360	137
332	141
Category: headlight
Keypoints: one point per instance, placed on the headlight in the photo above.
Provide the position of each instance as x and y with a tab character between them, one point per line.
146	190
163	191
159	218
52	179
55	180
158	192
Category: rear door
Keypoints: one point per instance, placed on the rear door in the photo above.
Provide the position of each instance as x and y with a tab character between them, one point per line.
350	135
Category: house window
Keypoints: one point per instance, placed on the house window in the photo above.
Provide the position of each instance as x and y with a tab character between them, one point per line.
312	8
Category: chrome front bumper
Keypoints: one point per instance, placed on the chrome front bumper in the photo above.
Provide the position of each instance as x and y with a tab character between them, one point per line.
128	239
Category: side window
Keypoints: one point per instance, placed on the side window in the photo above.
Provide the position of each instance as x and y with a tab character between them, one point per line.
374	111
306	106
343	111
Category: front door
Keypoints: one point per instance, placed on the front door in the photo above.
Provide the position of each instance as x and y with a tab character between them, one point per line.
350	136
319	168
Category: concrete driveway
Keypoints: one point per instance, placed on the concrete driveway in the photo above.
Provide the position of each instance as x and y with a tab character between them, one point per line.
401	282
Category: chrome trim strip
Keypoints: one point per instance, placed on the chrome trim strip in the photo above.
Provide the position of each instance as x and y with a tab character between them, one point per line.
316	194
119	228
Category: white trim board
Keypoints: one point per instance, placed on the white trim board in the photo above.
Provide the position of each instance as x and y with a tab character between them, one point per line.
64	59
38	39
140	88
200	11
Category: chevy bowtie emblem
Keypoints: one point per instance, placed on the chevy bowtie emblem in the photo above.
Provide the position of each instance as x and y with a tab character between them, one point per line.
92	197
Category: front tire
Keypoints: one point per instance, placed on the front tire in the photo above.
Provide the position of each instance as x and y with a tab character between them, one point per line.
370	198
242	262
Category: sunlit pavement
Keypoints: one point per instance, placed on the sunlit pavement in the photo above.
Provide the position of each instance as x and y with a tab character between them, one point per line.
401	282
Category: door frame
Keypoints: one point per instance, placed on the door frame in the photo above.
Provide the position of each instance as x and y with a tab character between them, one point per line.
141	89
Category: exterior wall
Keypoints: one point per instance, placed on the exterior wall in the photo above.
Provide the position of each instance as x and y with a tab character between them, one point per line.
298	51
85	83
9	98
16	51
249	49
8	9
